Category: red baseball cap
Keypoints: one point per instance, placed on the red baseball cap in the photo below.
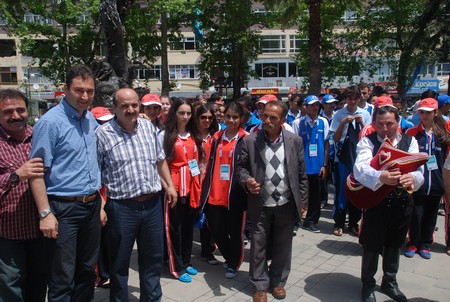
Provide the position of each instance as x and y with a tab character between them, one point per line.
151	99
428	104
267	98
383	100
102	114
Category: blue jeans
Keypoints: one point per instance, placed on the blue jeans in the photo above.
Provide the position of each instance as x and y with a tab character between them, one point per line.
130	221
24	268
75	250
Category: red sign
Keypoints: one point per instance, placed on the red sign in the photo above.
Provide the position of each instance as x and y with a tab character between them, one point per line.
265	91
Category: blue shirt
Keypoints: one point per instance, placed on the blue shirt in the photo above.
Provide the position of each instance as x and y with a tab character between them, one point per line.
252	122
66	143
128	160
314	137
291	117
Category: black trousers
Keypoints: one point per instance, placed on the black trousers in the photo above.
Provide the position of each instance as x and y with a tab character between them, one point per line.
226	227
423	221
179	232
314	199
386	224
75	250
24	269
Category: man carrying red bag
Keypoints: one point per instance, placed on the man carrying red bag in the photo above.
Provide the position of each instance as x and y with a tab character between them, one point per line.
385	225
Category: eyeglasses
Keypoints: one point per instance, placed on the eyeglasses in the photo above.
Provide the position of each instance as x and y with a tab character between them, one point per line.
206	117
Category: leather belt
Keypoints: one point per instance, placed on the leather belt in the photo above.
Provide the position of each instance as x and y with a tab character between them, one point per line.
144	197
83	199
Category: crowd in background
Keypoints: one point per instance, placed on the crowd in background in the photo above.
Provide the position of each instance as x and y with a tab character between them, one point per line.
84	184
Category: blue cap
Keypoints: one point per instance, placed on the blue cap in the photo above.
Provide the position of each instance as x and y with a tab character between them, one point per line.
328	98
311	99
443	99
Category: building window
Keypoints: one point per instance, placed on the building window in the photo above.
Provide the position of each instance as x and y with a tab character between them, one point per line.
7	48
271	70
152	73
295	43
273	44
295	71
178	72
183	44
8	76
259	10
32	18
349	16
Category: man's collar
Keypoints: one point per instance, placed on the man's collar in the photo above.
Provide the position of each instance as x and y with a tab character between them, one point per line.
277	140
117	126
72	112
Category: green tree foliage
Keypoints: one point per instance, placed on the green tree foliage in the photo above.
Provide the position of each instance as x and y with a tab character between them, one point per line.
60	33
320	58
402	33
155	23
231	40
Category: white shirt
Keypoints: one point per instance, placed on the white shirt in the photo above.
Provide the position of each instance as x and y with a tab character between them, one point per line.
343	113
368	176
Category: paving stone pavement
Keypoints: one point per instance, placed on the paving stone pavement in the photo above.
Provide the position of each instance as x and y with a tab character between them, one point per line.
324	268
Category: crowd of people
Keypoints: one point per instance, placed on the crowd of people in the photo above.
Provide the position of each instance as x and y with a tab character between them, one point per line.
82	186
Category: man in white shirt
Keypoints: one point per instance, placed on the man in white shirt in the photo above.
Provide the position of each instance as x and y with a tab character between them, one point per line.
385	225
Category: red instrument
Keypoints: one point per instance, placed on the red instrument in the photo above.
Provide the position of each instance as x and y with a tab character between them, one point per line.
387	158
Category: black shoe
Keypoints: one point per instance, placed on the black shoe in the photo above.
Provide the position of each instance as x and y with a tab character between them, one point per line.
368	295
312	228
391	290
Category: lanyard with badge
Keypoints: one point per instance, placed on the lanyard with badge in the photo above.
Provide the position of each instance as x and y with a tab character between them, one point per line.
225	168
193	165
431	150
315	134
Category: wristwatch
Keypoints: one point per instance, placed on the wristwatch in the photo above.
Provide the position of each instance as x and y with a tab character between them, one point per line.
14	178
44	213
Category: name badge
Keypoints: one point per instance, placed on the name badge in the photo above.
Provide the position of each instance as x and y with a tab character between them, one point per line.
224	172
193	167
312	150
432	164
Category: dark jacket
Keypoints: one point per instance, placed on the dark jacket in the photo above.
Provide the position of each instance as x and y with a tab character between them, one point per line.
237	197
434	183
251	164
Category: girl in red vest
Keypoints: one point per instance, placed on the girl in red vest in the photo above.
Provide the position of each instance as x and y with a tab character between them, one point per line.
183	147
224	201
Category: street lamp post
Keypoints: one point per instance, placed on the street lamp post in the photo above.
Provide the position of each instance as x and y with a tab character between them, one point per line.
226	75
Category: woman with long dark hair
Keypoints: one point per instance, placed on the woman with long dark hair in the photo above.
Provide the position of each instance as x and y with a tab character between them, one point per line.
207	126
183	147
223	199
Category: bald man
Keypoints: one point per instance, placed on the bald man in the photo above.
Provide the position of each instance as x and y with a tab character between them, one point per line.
132	164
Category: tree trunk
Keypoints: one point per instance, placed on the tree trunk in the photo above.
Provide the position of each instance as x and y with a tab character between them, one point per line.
236	71
314	46
113	33
165	82
402	76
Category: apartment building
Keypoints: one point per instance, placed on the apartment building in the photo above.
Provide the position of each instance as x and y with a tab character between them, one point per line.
275	66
